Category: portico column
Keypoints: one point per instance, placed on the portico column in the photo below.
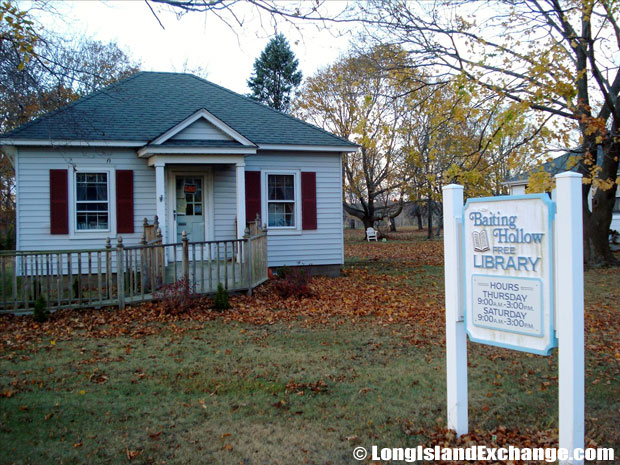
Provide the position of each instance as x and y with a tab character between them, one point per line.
160	193
240	199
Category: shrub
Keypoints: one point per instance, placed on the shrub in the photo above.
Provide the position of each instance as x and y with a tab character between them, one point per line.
176	297
293	282
76	288
220	300
41	313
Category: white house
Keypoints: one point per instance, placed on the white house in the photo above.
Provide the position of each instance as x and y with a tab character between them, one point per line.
518	184
202	158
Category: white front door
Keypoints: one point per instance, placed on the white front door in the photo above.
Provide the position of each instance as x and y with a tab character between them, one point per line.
190	207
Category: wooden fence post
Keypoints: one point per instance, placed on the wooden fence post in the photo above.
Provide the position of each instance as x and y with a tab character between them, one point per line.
185	259
161	257
143	269
248	258
120	275
108	267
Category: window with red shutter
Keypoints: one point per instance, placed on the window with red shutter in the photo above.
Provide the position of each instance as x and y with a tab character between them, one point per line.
59	202
308	200
124	202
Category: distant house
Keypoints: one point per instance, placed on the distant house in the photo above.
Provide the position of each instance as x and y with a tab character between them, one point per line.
202	158
518	184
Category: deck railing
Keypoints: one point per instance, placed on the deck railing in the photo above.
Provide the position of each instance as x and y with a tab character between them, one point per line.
119	275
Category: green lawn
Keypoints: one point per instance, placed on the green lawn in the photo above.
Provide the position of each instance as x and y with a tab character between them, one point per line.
292	392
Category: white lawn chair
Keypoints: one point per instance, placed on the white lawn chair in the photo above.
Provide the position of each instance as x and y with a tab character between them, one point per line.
371	234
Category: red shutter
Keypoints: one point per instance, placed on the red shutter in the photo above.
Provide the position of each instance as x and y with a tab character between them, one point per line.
252	195
308	200
59	202
124	201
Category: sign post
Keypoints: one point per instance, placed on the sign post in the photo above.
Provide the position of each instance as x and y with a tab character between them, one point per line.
456	339
511	263
569	255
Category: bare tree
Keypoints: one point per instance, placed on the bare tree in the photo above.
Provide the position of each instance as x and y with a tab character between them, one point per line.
40	73
358	100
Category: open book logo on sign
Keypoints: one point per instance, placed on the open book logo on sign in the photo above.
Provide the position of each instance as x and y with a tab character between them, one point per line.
481	241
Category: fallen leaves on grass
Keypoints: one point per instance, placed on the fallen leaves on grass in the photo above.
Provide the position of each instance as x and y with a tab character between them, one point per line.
415	253
500	437
132	454
300	388
411	297
353	297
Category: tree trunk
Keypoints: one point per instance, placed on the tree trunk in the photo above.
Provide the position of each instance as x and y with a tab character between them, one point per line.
392	224
368	223
429	234
419	217
439	225
596	222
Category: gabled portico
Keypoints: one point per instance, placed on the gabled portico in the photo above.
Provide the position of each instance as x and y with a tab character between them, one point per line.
186	158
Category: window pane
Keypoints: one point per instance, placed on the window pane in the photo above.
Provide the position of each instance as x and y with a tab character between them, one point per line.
281	214
92	221
91	186
102	191
281	187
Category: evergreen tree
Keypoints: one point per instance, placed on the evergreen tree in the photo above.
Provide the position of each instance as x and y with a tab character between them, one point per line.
275	75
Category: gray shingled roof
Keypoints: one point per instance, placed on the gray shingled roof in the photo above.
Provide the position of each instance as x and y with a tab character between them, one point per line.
553	167
147	104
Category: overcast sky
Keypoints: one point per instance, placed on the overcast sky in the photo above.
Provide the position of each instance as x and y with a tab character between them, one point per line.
194	40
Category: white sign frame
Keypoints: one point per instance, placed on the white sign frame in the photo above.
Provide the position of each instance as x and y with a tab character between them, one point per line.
569	304
524	210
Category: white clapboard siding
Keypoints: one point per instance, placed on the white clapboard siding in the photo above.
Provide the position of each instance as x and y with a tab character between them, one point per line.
323	246
201	130
224	202
33	195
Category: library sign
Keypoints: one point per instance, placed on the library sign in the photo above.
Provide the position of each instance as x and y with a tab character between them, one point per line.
508	266
510	263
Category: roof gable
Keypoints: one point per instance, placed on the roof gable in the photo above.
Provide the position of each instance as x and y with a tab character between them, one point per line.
201	129
202	126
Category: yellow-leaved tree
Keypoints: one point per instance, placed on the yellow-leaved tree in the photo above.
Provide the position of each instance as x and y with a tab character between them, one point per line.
557	61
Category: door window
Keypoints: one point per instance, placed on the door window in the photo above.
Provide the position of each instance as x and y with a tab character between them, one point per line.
190	208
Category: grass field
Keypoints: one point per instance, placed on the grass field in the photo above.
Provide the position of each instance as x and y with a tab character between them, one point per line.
287	381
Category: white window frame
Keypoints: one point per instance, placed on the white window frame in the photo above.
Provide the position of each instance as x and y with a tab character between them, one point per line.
281	230
94	233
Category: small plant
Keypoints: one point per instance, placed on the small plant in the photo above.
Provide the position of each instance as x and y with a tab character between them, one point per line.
220	300
293	282
176	297
76	288
41	313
